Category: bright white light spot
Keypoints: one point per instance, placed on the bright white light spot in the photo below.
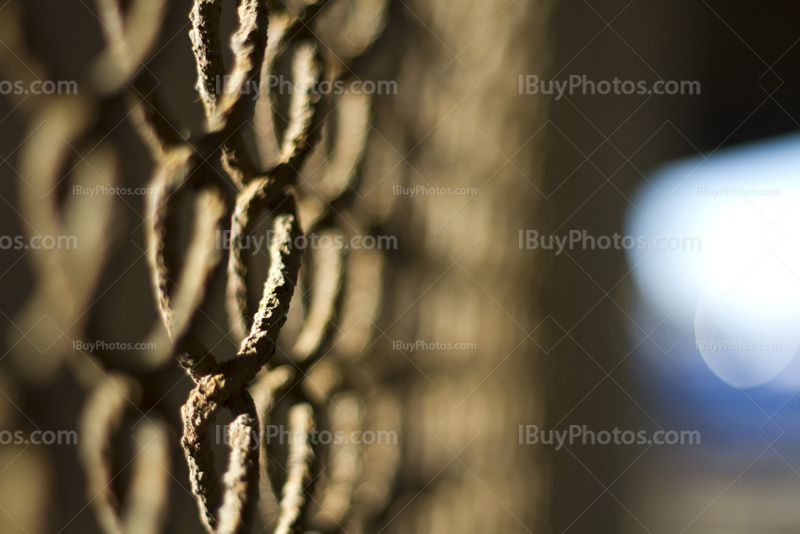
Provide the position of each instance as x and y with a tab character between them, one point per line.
740	294
747	330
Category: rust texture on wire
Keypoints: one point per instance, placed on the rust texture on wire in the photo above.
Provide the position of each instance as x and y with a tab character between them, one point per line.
301	178
265	183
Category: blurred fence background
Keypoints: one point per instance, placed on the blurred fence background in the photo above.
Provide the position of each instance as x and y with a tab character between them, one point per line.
453	337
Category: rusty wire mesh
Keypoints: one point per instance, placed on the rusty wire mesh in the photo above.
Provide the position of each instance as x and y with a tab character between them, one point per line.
198	185
312	328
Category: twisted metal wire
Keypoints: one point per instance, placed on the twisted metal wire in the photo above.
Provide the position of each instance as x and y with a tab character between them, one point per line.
342	295
342	287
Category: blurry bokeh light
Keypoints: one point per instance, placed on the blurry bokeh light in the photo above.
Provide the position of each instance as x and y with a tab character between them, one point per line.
730	284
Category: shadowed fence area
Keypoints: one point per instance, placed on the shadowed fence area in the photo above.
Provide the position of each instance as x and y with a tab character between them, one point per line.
384	266
233	266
